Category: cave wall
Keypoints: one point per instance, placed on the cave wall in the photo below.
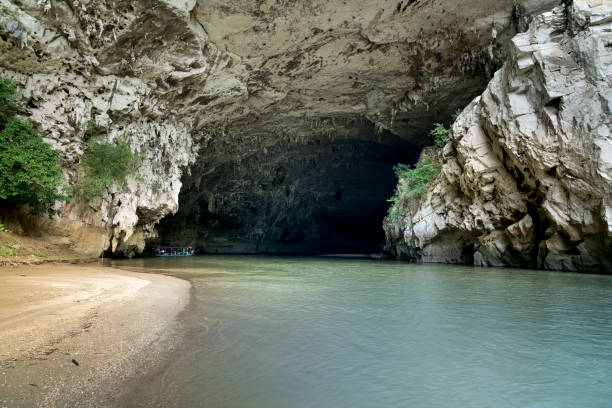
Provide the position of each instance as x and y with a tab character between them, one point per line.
178	79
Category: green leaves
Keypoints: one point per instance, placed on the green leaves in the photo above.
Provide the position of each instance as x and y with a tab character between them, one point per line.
29	170
440	134
106	164
414	182
8	100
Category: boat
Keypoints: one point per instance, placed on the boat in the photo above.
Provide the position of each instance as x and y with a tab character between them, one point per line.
174	251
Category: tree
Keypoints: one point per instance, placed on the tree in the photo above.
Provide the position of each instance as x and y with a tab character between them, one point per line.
29	170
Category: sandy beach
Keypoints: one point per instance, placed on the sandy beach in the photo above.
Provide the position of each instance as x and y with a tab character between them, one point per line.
70	335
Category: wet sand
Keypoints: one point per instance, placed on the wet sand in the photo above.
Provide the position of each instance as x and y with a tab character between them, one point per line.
70	335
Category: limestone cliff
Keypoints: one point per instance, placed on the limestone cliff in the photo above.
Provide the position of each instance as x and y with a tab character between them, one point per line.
526	178
261	112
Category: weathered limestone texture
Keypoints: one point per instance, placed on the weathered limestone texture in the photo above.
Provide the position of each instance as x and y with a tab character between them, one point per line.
526	179
229	84
72	64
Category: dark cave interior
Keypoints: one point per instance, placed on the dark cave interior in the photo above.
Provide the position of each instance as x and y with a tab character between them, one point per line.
322	195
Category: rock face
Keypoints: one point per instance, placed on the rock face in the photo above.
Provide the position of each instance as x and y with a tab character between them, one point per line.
294	100
526	179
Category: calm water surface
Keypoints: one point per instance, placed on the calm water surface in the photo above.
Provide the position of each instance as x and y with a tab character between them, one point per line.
318	332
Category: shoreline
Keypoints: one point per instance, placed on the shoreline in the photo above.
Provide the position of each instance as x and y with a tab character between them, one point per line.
71	335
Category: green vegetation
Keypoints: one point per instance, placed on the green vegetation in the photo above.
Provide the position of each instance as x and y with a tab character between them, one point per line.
440	135
8	101
414	181
7	251
156	186
29	170
93	131
3	228
105	164
42	255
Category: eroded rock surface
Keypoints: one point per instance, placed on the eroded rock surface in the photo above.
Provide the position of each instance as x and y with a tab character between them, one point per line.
526	178
220	87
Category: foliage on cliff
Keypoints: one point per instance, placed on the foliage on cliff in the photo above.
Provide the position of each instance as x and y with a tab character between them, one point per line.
29	170
105	163
8	101
414	182
441	133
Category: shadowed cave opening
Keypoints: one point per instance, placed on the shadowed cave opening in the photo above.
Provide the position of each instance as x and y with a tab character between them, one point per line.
322	195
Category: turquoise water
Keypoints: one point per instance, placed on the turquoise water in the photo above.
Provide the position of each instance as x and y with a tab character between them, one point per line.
319	332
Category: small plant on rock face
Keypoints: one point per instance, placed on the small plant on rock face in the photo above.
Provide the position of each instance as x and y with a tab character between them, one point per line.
156	186
106	164
414	182
440	134
93	131
8	100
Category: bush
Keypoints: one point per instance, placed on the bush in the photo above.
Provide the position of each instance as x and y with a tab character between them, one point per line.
106	164
414	182
440	134
8	101
29	170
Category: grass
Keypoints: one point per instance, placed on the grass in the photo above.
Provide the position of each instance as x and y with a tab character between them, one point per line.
7	251
42	255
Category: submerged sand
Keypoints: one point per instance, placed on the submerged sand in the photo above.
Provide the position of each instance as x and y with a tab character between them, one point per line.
71	334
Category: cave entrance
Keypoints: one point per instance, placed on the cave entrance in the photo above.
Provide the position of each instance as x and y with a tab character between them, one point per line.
322	195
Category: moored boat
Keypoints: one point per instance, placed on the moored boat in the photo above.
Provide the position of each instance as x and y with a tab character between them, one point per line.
174	251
